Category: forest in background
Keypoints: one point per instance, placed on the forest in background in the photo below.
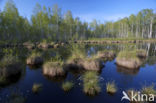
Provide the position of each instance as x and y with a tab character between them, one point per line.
50	24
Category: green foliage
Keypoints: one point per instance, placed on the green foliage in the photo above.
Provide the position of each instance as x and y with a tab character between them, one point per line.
67	86
50	24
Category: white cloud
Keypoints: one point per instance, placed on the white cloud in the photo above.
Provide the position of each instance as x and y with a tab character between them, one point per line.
100	17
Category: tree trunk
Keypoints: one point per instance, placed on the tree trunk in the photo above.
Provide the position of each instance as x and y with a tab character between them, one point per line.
151	26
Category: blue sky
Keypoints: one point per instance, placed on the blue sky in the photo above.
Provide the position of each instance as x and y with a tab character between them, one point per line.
87	10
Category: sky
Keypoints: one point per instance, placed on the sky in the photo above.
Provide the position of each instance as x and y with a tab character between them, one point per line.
88	10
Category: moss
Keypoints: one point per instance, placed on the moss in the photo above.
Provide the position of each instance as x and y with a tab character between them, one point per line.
36	88
91	83
67	86
111	87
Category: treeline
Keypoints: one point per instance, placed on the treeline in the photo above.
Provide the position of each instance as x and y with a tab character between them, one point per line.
51	24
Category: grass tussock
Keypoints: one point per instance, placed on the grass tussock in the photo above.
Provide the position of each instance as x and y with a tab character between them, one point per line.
111	87
36	88
54	64
91	83
35	54
16	97
34	58
148	90
67	86
56	58
53	69
8	60
3	81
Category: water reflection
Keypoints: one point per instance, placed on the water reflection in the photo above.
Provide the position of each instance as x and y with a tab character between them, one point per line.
125	78
127	71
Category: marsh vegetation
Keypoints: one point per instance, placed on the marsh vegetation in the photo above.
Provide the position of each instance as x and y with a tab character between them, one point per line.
91	84
36	88
95	67
111	87
73	55
67	86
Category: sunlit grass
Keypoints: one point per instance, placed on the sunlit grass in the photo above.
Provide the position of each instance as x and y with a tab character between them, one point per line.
127	54
91	84
54	69
77	51
67	86
111	87
34	54
148	90
8	60
36	87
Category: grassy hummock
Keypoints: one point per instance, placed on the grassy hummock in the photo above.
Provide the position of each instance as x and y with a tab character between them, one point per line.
9	66
67	86
8	60
36	88
148	90
111	87
128	59
53	68
35	54
35	58
91	83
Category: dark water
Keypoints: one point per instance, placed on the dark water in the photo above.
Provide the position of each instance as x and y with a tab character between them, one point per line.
51	89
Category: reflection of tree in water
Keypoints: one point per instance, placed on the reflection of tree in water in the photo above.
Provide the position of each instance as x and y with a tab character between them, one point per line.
127	71
127	75
126	80
151	60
